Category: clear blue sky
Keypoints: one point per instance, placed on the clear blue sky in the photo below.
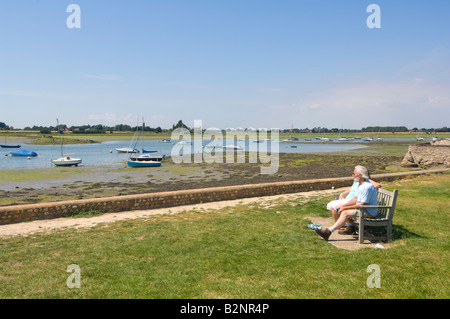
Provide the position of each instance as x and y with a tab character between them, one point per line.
229	63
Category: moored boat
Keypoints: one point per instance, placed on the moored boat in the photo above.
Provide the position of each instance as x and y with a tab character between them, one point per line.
127	150
6	145
145	160
23	153
67	161
10	145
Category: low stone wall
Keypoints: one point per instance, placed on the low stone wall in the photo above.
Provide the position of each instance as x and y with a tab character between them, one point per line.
22	213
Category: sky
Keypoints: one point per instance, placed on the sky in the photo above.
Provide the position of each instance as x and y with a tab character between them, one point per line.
227	63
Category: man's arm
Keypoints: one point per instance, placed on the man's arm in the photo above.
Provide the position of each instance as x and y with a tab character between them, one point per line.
375	184
351	202
343	194
351	207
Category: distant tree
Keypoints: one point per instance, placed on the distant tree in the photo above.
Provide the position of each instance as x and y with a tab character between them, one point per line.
376	129
122	127
180	124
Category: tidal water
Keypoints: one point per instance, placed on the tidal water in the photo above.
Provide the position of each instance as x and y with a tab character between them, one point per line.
105	153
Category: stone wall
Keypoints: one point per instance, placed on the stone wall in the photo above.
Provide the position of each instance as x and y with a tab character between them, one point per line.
29	212
431	154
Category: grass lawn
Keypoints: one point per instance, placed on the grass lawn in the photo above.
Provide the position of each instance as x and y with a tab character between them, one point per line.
247	251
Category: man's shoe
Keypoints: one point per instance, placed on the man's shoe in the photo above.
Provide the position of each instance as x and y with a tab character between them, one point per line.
323	232
349	230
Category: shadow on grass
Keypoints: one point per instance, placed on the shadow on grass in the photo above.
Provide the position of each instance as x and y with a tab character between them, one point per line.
398	232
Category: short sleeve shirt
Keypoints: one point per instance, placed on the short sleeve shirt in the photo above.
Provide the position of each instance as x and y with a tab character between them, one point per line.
367	193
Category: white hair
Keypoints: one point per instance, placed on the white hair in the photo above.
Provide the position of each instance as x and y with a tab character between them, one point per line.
363	171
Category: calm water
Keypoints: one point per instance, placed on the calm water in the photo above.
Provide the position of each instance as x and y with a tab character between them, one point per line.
106	154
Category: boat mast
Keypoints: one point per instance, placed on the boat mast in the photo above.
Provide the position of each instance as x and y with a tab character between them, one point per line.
142	143
60	138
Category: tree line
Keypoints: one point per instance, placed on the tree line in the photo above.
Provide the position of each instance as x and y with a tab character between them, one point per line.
100	128
95	129
369	129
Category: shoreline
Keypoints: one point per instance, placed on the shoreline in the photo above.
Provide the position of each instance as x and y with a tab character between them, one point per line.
56	184
33	138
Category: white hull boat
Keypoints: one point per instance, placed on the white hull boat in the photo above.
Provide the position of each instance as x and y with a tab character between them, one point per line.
127	150
67	161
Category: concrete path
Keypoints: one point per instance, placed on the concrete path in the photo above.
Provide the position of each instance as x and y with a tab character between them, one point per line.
49	225
347	242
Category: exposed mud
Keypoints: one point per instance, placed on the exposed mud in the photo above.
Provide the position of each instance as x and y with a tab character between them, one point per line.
101	181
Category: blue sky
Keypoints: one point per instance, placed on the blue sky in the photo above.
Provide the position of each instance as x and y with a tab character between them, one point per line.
229	63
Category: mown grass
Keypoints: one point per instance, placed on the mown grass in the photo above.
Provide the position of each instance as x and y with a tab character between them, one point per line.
247	251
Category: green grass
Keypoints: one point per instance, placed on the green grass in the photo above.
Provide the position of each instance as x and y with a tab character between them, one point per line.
21	175
247	251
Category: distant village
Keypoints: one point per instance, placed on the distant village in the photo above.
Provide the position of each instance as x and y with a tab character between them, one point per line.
102	129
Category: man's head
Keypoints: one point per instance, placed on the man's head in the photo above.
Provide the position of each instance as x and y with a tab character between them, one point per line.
361	171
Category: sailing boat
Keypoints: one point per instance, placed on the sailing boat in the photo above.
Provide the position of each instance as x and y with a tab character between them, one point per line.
130	149
65	159
378	138
419	138
341	138
9	145
146	159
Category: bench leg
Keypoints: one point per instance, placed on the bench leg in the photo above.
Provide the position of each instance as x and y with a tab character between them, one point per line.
389	232
361	228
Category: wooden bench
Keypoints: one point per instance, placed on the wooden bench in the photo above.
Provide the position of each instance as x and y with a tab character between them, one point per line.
386	208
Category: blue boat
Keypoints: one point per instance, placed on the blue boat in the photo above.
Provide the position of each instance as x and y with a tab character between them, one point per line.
144	160
23	153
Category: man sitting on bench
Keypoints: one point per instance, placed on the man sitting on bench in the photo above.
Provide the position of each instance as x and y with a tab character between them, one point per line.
366	194
344	198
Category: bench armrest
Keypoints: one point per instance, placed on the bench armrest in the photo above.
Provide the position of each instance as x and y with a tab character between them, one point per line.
374	206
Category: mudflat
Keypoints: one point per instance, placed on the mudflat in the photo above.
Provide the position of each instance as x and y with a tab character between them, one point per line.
55	184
